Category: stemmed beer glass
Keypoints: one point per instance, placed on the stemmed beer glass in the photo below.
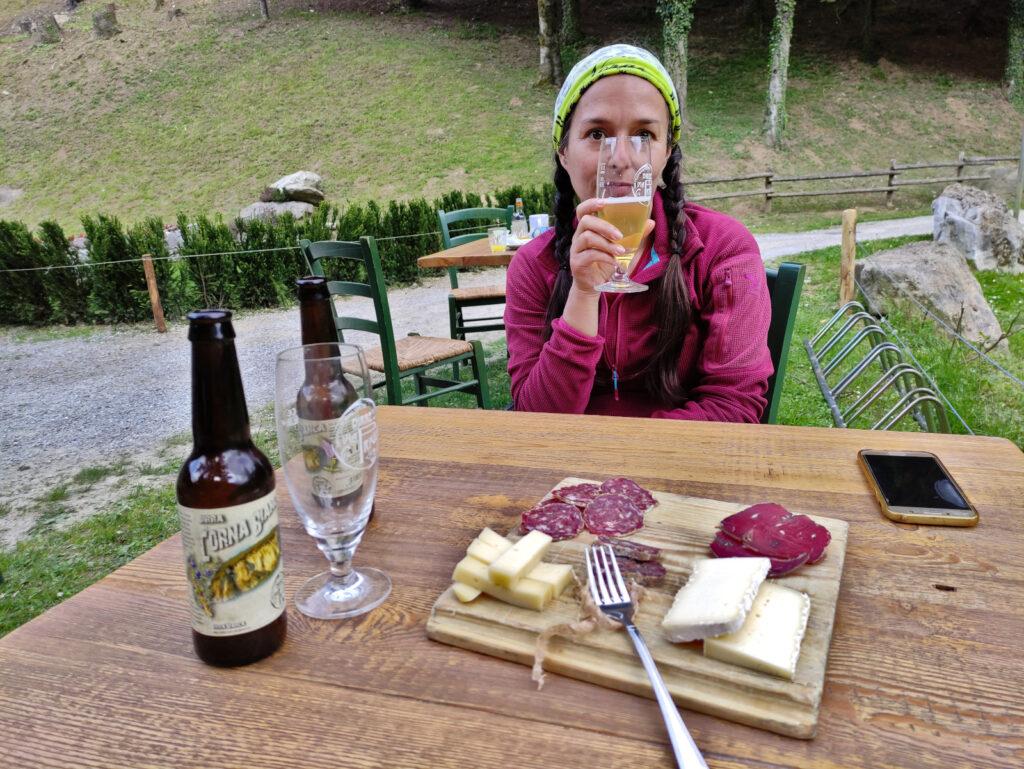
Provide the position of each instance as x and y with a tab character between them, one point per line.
625	182
327	436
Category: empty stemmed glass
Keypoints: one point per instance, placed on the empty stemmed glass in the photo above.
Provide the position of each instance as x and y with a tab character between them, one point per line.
327	436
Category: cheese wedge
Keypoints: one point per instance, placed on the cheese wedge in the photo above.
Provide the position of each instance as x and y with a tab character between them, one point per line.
486	550
558	575
769	640
491	537
526	592
464	592
716	598
519	559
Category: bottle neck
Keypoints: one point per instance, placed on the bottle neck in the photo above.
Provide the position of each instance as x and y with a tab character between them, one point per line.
317	320
220	418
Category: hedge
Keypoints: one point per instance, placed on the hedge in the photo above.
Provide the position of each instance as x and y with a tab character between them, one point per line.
212	271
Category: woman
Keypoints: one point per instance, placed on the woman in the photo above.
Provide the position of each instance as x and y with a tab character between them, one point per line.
694	346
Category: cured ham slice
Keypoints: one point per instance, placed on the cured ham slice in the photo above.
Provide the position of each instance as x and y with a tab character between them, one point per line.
737	525
769	530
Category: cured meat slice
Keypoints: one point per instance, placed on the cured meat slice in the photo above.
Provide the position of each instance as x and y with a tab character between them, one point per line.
737	525
580	494
647	573
726	547
630	489
556	519
804	533
612	514
627	548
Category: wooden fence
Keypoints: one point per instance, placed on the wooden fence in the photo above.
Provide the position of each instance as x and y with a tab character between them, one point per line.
769	179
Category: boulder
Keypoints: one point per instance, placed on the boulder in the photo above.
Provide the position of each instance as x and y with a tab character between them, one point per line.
304	186
104	22
938	277
274	210
45	30
9	194
24	25
978	223
1001	182
62	19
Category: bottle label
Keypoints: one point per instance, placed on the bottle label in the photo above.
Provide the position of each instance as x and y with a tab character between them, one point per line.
233	565
332	450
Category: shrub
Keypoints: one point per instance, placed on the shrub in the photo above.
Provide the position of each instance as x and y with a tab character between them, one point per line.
67	289
22	294
118	281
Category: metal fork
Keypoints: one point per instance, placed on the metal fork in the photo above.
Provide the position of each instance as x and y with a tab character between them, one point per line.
610	595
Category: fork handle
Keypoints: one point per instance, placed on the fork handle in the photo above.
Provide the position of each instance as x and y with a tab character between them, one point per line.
685	749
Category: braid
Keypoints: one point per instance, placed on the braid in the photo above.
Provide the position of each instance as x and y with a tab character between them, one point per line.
672	304
564	211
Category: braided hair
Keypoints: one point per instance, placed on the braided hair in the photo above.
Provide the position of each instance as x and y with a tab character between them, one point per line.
672	311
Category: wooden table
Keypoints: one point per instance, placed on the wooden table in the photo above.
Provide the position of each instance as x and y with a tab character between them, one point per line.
924	670
475	253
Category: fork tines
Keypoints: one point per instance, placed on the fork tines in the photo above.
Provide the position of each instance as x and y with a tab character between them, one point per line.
606	585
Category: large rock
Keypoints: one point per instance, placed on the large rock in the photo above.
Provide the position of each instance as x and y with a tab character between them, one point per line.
937	276
275	210
45	30
104	22
304	186
978	223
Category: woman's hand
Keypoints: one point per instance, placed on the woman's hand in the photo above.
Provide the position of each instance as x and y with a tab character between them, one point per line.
593	250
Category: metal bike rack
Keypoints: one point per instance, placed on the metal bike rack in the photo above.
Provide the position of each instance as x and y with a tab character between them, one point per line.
834	345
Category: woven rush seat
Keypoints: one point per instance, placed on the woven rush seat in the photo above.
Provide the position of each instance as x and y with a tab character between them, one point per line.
477	292
416	351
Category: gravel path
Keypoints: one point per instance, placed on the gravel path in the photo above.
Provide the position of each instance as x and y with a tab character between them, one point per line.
115	396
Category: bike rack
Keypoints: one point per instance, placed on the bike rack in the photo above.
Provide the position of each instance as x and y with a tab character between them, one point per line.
851	325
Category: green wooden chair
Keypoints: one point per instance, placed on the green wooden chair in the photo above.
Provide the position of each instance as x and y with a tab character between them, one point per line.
478	296
397	359
784	286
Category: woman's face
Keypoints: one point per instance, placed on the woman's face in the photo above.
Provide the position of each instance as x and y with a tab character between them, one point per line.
620	106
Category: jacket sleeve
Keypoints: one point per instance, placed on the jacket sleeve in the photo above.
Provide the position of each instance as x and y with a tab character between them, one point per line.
555	376
735	363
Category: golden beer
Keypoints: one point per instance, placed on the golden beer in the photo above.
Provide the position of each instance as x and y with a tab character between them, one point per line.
628	215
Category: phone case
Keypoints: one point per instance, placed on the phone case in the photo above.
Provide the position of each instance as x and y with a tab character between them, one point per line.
921	515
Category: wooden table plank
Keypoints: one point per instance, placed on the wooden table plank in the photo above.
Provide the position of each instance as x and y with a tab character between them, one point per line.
475	253
917	676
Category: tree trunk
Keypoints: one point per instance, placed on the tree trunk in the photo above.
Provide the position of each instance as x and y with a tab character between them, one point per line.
867	39
775	109
1015	52
264	10
104	22
677	18
572	31
550	56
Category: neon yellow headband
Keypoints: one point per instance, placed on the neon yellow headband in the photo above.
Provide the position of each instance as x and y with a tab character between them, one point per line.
619	59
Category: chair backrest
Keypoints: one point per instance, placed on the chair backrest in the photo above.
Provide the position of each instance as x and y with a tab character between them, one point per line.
447	218
365	253
784	287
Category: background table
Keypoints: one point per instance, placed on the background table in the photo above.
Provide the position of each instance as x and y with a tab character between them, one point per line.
475	253
924	670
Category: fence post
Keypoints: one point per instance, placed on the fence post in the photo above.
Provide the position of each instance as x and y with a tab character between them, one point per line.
768	191
891	190
960	165
849	257
154	293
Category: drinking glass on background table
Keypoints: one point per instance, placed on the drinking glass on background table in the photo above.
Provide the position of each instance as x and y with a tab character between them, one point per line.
327	437
498	238
625	183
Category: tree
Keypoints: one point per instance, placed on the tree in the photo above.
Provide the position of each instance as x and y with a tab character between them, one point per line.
572	30
548	13
775	109
1015	52
677	18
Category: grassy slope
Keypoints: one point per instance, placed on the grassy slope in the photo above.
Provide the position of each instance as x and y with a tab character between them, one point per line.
200	116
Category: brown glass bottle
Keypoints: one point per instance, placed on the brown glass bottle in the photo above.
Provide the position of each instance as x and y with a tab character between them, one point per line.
324	396
228	510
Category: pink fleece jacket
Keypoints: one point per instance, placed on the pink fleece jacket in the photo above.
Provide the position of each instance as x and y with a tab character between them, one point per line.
724	363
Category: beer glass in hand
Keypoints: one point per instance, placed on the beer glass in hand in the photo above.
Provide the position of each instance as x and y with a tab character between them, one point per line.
625	183
328	443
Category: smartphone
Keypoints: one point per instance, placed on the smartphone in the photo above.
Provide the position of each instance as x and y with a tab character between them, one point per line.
915	487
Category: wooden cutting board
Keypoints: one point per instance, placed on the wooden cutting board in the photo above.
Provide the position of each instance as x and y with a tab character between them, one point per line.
683	527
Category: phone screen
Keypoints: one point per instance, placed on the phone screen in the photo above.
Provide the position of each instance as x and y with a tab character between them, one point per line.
914	482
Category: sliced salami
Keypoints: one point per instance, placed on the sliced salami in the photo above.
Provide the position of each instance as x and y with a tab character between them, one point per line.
737	525
647	573
580	495
630	489
556	519
627	548
612	514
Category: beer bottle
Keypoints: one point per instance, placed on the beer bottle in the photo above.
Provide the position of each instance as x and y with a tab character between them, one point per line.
228	510
331	455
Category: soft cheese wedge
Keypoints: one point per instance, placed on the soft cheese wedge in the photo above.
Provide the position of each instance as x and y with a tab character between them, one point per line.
716	598
769	640
526	592
518	560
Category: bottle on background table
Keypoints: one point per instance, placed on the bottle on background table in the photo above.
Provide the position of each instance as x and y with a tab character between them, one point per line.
520	229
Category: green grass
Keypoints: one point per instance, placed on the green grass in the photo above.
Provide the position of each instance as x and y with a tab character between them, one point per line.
186	117
49	567
5	509
88	476
56	494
